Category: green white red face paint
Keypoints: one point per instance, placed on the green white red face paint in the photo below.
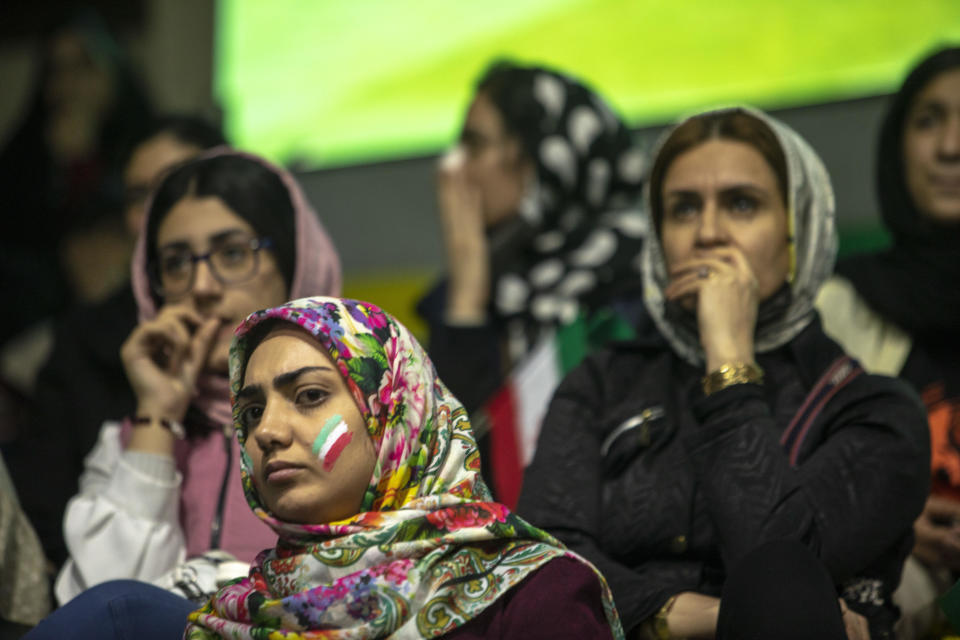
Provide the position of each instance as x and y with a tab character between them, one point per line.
331	441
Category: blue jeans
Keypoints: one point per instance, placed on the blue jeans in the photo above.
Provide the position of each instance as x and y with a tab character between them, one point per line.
120	610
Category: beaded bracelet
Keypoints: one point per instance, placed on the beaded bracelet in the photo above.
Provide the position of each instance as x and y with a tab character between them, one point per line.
172	426
731	373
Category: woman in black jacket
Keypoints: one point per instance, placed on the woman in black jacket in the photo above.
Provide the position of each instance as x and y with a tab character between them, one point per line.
671	461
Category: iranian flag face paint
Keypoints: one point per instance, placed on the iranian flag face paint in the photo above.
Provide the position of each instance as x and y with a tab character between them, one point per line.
332	440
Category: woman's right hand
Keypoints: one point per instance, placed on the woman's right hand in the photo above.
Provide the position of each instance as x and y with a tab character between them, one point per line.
694	615
163	357
465	241
726	291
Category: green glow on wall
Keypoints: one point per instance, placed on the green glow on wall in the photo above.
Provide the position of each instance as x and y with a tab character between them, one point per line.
331	82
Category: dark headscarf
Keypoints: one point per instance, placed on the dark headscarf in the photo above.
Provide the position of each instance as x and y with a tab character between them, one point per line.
915	283
579	227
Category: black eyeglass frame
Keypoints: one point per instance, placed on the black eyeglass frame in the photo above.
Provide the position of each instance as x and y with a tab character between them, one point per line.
153	270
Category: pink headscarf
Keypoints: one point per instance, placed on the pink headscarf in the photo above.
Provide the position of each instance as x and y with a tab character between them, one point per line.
316	273
202	460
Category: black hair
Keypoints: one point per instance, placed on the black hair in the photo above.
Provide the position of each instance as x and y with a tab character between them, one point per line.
255	336
510	89
529	119
185	129
248	188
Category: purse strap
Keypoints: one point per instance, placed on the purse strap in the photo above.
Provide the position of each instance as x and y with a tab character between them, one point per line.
838	375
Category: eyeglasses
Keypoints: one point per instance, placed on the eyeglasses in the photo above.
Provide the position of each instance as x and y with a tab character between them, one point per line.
232	261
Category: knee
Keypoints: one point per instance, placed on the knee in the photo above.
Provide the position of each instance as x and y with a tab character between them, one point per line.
106	591
774	568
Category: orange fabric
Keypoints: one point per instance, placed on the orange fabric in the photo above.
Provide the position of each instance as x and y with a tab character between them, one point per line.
944	418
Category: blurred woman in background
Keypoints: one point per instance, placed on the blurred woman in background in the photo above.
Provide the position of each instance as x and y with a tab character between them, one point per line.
538	209
225	234
898	310
60	172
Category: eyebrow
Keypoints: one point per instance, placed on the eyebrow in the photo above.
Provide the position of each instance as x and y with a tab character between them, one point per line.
739	186
281	380
212	240
929	104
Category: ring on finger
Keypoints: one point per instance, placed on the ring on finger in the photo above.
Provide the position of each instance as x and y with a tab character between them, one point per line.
704	273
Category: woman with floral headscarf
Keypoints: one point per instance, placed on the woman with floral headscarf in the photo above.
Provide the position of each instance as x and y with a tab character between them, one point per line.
538	211
365	466
735	473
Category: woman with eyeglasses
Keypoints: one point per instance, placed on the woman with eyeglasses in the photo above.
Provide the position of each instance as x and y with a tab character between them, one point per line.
225	234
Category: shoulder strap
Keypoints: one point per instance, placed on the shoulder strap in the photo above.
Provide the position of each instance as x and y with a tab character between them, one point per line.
838	375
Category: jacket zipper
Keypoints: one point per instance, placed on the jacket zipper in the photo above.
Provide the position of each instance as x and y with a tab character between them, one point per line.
217	527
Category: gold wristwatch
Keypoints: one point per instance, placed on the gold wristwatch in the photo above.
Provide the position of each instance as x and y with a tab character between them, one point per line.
731	373
656	627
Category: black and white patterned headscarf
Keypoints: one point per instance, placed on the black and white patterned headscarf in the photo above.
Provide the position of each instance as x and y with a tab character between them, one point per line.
579	227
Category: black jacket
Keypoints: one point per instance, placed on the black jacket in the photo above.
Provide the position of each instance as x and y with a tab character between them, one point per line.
676	500
467	358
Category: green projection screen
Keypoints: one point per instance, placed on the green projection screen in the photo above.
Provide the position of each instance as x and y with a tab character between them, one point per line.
321	83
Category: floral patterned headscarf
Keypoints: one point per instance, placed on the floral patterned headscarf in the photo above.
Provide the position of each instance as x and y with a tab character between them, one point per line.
428	551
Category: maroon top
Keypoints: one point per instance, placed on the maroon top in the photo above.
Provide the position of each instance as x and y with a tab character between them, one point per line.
562	599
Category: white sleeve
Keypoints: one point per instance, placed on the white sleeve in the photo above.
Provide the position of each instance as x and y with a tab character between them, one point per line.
125	522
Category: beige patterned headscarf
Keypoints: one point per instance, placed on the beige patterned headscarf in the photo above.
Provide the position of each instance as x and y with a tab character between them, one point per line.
24	583
811	211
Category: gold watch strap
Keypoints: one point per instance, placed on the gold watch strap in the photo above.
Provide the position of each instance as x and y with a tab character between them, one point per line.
655	627
732	373
660	627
